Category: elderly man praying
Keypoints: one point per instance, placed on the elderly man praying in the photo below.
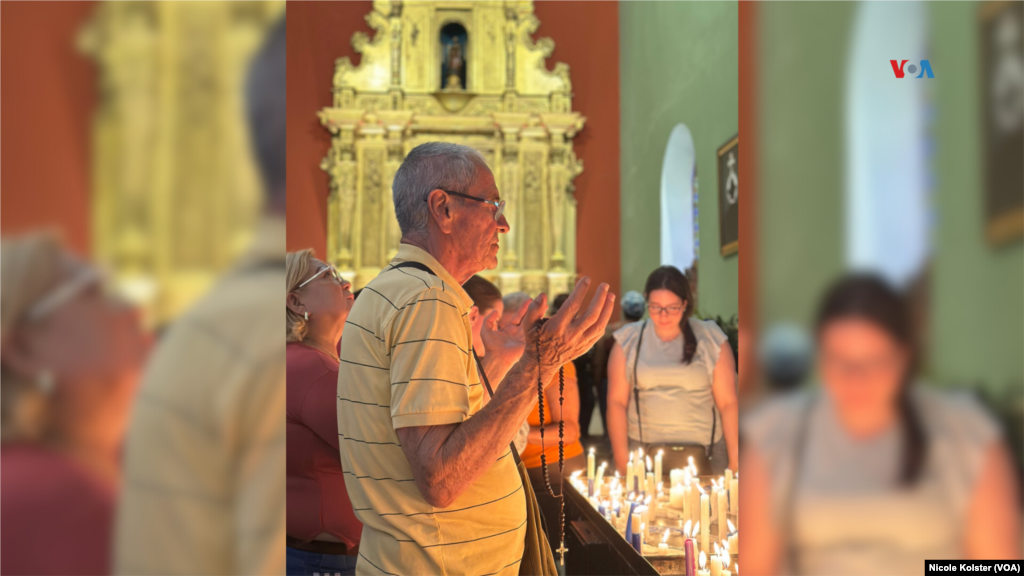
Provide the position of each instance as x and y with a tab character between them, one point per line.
426	455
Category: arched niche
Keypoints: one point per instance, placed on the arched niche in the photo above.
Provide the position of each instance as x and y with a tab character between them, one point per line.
454	39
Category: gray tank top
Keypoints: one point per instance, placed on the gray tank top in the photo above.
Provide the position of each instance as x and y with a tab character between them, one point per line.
676	400
848	516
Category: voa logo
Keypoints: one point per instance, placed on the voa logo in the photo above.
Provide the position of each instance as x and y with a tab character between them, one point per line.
900	72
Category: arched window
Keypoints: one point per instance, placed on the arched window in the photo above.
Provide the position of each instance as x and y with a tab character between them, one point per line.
888	209
679	242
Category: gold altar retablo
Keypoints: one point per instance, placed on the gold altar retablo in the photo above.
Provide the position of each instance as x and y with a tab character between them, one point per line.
408	90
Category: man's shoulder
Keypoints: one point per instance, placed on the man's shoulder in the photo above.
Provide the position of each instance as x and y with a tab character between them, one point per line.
396	288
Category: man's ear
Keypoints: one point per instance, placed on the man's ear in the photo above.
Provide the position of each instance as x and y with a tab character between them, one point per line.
439	205
474	313
293	304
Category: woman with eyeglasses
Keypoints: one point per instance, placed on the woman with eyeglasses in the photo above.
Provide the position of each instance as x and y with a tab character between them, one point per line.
71	361
323	532
672	380
874	472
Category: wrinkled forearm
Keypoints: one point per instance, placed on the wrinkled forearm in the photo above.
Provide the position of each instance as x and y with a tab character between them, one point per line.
446	460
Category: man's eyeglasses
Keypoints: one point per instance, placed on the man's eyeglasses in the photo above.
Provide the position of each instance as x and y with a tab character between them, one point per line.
330	270
499	204
655	309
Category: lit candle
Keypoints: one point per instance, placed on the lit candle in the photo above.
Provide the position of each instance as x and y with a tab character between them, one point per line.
690	559
650	483
657	466
716	563
663	547
714	499
705	521
675	476
677	497
695	500
728	477
734	538
687	514
629	472
693	469
590	464
725	564
734	495
723	508
703	562
632	524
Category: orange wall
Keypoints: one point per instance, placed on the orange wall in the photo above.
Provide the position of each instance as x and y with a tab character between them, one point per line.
46	109
586	37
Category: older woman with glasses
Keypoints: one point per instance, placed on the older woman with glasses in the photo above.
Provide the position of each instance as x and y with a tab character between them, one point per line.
672	381
72	356
323	532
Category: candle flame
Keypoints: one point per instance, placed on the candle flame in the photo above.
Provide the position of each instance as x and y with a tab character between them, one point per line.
649	465
716	548
686	528
701	489
732	528
696	529
632	496
703	559
660	452
661	486
725	560
631	457
737	568
664	539
725	546
592	449
691	460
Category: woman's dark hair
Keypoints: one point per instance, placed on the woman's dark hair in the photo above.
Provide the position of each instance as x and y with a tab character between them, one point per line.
868	297
671	279
485	295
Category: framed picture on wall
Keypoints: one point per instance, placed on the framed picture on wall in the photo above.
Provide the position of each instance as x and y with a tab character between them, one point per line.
729	196
1002	55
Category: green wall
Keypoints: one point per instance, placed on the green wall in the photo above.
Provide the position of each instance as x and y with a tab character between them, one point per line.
678	64
976	334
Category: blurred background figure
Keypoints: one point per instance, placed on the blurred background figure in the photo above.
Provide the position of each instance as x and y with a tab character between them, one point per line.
912	175
486	299
71	359
672	380
205	460
323	531
873	473
633	309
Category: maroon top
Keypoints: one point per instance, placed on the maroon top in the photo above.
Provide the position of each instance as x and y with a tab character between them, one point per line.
317	499
56	517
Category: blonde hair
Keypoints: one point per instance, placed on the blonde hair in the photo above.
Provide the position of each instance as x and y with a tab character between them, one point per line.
29	266
296	267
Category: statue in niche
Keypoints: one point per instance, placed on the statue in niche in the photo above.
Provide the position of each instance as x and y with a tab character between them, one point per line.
453	64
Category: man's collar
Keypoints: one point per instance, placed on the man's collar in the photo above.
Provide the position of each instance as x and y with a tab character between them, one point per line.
410	253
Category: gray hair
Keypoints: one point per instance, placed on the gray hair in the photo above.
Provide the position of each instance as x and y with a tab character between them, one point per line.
427	167
514	300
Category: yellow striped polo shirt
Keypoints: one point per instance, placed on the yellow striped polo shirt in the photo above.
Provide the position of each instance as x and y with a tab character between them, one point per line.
406	360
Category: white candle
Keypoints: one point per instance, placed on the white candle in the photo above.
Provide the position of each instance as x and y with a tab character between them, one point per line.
728	477
723	507
675	476
677	497
734	538
703	562
687	514
629	472
663	547
643	536
725	564
600	471
716	565
705	521
694	500
590	464
657	466
734	495
650	483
